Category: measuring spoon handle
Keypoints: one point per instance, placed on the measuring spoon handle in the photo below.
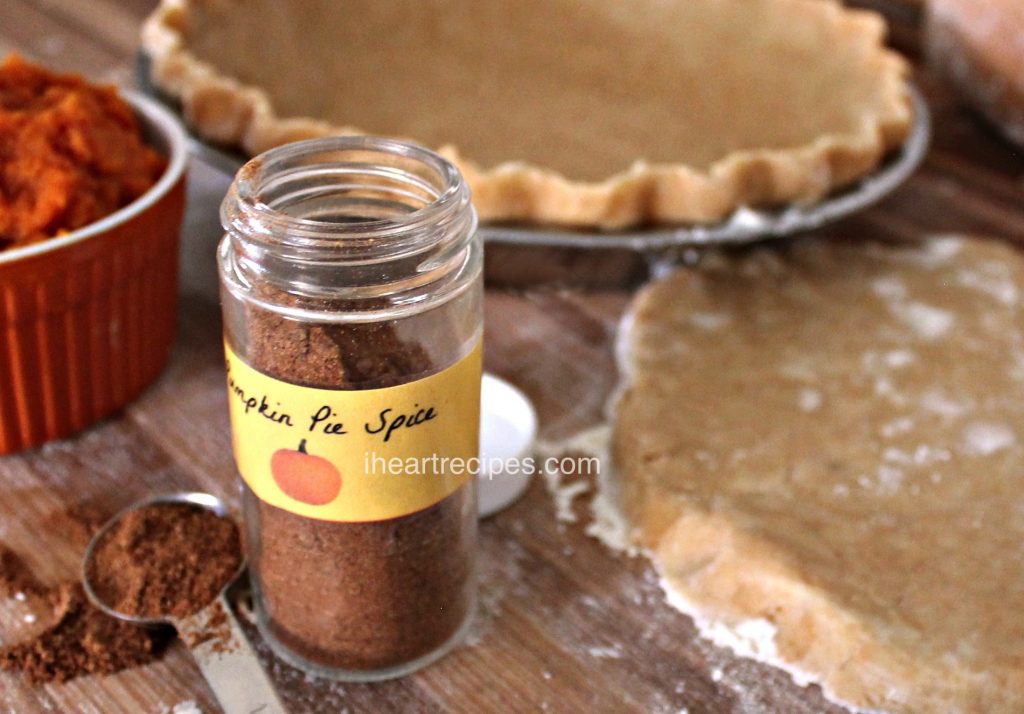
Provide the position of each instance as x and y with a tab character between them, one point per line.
228	662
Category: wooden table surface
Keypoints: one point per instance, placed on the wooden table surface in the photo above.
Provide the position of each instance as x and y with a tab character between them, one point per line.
565	624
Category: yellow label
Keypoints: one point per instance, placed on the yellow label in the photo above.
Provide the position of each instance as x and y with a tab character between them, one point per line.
355	455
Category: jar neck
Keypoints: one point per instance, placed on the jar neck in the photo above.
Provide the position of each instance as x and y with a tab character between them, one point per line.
356	219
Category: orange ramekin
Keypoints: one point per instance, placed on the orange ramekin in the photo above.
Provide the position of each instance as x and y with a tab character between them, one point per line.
87	319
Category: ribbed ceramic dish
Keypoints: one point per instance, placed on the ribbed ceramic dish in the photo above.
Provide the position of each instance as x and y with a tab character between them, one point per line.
87	319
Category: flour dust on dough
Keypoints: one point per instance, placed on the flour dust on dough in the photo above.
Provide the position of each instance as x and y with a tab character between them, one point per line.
828	439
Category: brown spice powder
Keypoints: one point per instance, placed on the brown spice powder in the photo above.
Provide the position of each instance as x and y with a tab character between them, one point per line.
15	575
79	638
165	559
82	640
216	631
356	596
79	522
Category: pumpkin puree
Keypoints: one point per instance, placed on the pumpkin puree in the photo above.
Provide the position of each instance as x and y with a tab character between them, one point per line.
70	153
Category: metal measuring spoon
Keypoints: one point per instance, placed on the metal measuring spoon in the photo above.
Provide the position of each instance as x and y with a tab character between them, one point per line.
227	662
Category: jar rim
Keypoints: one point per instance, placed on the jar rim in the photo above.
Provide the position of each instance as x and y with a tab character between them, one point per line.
243	210
421	251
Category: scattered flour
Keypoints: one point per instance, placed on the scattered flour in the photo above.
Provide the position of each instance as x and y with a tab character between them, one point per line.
899	358
929	322
982	438
564	497
993	280
608	524
889	287
606	652
885	388
897	456
944	248
890	478
925	454
938	402
187	707
753	639
937	252
709	320
809	400
897	426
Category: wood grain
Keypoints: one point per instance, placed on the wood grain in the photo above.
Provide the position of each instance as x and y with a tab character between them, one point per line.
565	625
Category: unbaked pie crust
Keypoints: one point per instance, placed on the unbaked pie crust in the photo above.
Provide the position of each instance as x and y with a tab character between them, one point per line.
822	446
607	115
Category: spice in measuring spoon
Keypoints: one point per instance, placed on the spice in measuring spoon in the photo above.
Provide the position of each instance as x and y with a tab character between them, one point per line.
164	559
169	561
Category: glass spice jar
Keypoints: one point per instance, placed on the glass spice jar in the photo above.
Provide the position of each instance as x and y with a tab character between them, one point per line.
352	300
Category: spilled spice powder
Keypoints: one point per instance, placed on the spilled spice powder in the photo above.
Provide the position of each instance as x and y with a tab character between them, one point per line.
356	596
79	522
81	640
16	577
165	559
215	632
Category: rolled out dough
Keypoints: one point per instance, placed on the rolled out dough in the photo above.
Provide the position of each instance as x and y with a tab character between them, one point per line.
828	438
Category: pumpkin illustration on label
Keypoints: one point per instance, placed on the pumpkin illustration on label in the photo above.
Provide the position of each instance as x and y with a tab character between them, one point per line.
305	477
